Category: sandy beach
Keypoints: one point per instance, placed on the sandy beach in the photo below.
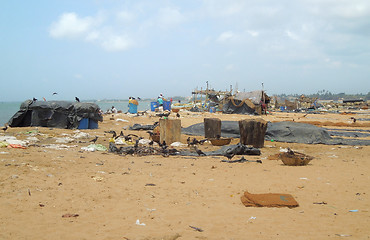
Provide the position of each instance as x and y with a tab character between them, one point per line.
74	194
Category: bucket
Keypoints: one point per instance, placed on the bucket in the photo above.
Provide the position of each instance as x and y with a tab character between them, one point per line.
153	106
132	108
167	105
84	124
212	109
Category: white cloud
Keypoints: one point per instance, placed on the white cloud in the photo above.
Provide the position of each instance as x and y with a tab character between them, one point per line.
78	76
226	36
92	36
70	25
292	35
230	67
117	43
253	33
125	16
169	17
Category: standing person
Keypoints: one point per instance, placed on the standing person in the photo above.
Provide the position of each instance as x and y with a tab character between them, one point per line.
160	100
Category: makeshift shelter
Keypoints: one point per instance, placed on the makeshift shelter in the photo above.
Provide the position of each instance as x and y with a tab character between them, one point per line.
245	103
59	114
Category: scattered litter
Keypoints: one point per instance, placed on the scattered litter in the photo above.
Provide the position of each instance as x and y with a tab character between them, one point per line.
303	178
12	140
14	176
252	218
121	120
94	147
97	179
150	184
144	141
57	146
151	209
3	144
4	152
50	175
354	210
324	203
196	228
64	140
178	144
33	139
69	215
16	146
138	223
343	235
81	135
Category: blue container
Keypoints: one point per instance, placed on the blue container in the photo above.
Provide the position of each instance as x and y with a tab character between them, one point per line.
282	108
153	106
132	108
84	124
212	109
93	124
167	105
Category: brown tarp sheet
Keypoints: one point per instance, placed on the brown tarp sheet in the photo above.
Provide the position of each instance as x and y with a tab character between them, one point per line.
268	200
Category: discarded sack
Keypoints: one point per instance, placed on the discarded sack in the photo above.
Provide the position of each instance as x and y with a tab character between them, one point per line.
268	200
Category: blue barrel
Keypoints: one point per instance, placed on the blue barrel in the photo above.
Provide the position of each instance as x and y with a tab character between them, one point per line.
212	109
153	106
132	108
84	124
167	105
282	108
93	124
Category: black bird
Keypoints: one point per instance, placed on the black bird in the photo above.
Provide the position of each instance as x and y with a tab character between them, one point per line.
165	152
54	93
200	153
94	140
218	136
151	143
354	119
178	115
77	99
4	128
34	99
229	155
188	141
202	141
136	144
163	114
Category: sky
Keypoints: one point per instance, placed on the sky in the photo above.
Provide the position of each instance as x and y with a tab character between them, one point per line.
110	49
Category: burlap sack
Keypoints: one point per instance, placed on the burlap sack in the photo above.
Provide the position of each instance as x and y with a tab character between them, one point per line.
268	200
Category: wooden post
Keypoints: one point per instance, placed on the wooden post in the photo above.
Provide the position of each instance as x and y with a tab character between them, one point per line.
170	130
252	132
212	127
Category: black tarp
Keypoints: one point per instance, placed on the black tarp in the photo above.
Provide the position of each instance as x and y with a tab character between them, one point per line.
59	114
291	132
237	108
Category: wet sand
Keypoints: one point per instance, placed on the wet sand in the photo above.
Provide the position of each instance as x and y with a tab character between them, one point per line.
109	193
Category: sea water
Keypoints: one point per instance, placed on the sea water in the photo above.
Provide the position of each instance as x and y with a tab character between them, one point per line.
8	109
